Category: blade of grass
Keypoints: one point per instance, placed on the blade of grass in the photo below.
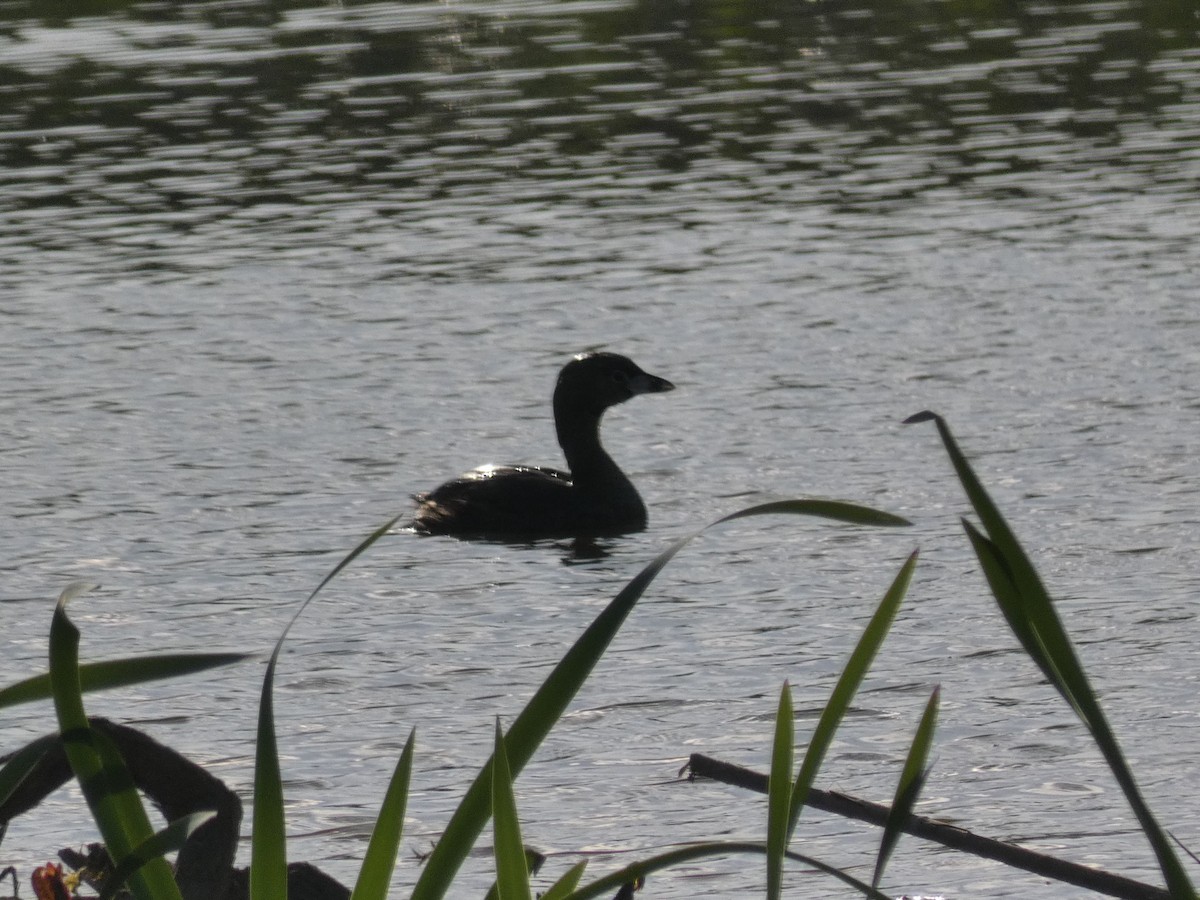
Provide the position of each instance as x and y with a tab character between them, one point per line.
1037	625
837	510
512	877
565	885
375	874
550	700
1186	849
1023	597
533	862
912	779
846	687
102	775
21	763
112	673
779	792
1075	689
1012	606
168	840
1047	641
268	843
614	880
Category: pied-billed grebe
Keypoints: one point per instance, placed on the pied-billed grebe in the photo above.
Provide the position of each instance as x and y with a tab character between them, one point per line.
594	498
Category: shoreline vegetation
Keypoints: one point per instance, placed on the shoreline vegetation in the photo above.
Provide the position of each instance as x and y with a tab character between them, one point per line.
115	765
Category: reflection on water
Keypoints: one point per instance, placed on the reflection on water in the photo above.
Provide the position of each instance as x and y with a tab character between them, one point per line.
269	268
194	136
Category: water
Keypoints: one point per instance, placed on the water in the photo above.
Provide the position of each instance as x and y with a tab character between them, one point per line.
265	273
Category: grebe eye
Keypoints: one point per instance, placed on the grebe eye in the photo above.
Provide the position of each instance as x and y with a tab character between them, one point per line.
620	377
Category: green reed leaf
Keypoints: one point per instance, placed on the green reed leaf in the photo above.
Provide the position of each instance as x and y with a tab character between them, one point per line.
113	673
708	850
837	510
779	792
20	764
268	843
565	885
1027	607
846	687
375	874
168	840
550	700
105	781
912	780
1012	606
533	862
512	876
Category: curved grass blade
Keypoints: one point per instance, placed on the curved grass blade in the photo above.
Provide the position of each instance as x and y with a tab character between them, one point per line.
1015	608
846	687
779	792
113	673
1027	606
613	881
268	847
106	783
1035	621
1184	847
533	863
20	764
565	885
512	877
375	874
268	844
1012	606
158	845
837	510
912	780
550	700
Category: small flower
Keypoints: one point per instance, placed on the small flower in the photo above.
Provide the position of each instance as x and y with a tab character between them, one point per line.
48	883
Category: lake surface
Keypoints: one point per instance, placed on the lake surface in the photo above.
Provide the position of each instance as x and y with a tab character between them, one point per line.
264	273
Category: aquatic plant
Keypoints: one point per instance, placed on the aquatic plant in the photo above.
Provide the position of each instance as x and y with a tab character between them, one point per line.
139	852
1030	613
